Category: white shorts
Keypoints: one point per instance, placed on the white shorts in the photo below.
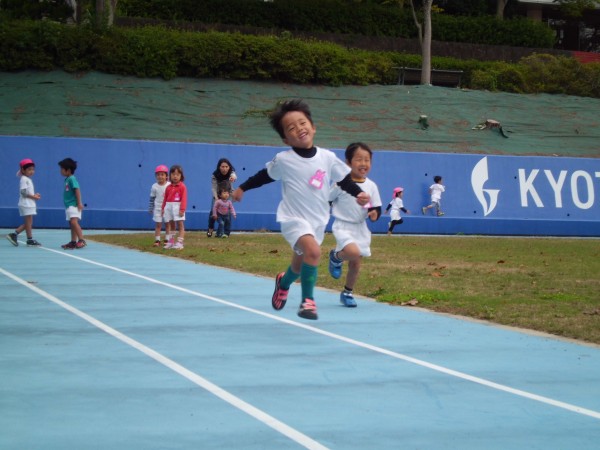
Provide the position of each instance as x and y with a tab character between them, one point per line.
27	211
73	212
172	212
395	214
348	232
292	231
157	215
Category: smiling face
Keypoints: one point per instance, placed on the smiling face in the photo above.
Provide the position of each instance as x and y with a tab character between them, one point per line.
360	166
161	177
298	130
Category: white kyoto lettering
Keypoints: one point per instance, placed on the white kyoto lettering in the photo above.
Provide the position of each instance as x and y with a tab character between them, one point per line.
581	184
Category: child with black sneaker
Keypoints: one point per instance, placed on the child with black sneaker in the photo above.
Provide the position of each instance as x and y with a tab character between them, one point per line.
27	204
396	205
73	203
352	236
306	173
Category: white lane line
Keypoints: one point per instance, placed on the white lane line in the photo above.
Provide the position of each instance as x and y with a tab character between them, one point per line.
212	388
441	369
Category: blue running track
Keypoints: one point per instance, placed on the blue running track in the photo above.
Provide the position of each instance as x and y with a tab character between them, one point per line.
108	348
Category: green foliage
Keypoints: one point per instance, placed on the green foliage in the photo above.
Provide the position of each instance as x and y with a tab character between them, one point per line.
57	10
156	51
365	18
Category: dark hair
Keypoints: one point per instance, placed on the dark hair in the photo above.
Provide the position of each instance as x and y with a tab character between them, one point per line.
217	173
177	168
352	149
285	107
68	164
27	166
437	178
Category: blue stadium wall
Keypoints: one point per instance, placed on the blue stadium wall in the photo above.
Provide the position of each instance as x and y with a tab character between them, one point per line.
486	195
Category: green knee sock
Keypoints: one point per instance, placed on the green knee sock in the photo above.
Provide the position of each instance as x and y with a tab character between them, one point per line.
288	279
308	279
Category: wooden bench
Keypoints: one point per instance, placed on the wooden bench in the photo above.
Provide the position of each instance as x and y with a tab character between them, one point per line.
412	75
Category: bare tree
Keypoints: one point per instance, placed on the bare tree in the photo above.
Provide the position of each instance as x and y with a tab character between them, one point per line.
424	31
500	5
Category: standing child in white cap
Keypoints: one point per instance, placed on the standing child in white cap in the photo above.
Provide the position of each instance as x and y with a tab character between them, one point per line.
27	203
157	194
396	205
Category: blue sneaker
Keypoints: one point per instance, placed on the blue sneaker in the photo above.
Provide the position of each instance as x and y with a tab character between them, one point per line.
335	265
347	300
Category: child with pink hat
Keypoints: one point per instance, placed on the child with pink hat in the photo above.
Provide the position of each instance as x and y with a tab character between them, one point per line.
396	205
157	195
27	203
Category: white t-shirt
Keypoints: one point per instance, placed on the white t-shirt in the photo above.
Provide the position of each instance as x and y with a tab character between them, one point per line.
25	184
345	207
436	192
305	184
158	192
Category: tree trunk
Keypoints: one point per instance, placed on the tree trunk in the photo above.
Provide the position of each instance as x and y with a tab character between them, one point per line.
426	45
500	5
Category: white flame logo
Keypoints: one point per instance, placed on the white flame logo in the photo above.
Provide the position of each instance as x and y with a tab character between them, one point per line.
478	178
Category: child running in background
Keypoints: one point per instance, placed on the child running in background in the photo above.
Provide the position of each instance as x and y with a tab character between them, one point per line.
222	178
435	190
306	173
73	203
173	208
222	212
352	236
157	195
27	204
396	205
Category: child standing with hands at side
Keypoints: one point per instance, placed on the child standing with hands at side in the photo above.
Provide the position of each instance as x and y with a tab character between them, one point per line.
73	203
306	173
396	205
173	208
352	236
222	211
27	204
157	195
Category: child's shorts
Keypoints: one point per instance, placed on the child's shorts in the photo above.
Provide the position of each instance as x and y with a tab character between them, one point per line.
157	215
73	213
347	233
172	212
292	231
27	211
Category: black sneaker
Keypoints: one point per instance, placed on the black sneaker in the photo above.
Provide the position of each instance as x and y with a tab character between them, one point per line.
69	246
33	243
12	237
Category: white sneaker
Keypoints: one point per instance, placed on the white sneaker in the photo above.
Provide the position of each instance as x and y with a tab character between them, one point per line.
178	246
170	243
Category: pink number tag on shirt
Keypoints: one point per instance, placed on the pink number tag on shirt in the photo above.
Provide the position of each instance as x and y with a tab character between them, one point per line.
316	180
367	206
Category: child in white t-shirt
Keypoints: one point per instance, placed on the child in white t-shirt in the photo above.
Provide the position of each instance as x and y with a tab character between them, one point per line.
27	203
396	205
352	236
435	190
157	194
306	173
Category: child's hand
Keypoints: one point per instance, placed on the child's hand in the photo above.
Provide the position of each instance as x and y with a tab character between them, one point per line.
235	216
407	211
215	217
36	196
182	212
80	206
237	195
363	198
372	215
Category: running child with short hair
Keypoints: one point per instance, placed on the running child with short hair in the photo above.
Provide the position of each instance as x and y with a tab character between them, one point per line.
306	173
435	190
352	235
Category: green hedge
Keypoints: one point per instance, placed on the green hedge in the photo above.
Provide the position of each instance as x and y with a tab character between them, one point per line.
166	53
343	16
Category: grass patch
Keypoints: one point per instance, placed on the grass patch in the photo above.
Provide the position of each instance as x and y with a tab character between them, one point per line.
543	284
